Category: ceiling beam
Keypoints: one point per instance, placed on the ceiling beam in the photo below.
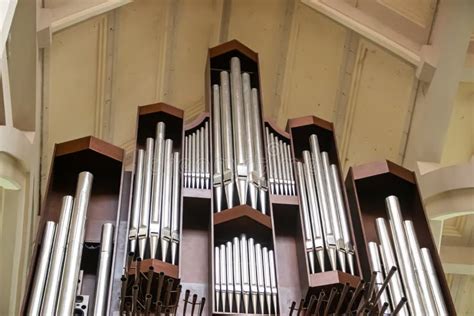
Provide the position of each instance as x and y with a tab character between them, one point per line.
435	103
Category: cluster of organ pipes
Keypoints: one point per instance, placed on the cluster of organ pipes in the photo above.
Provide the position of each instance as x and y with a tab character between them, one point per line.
417	280
154	221
245	277
237	141
281	176
362	300
326	228
196	159
54	288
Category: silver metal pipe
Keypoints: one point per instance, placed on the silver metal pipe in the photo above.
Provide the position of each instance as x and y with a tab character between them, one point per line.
230	274
290	170
217	276
207	167
167	197
346	235
237	273
420	271
324	199
202	161
285	167
375	263
223	277
279	168
266	277
434	282
217	146
198	159
333	213
228	167
244	265
271	170
146	198
260	277
193	159
389	261
250	143
72	260
41	271
253	274
314	213
175	207
103	271
137	200
157	188
53	282
186	161
259	159
238	116
273	283
415	302
308	235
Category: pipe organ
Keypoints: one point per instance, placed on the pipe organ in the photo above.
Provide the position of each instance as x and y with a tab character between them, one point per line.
229	214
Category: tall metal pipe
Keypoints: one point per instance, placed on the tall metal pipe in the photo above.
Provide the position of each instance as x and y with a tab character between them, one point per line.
291	171
315	214
266	277
341	209
375	263
41	271
217	277
202	158
207	167
333	213
157	187
415	302
389	261
244	265
193	159
253	274
279	164
137	200
434	282
237	272
198	158
308	235
324	199
227	142
166	203
259	160
273	283
271	168
175	207
217	146
223	277
285	167
103	271
186	161
260	277
53	282
146	198
250	143
72	261
238	116
420	270
230	274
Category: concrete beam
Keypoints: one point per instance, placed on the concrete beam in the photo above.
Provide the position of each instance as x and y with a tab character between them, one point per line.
434	104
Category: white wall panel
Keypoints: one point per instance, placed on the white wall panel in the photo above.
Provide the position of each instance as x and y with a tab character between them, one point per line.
72	75
313	69
379	107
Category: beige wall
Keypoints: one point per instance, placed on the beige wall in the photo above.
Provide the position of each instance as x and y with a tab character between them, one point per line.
459	143
99	71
